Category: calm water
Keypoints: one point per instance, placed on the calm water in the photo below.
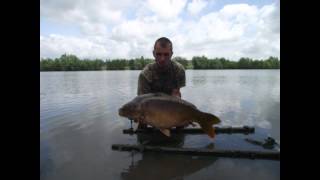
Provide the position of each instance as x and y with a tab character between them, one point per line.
79	123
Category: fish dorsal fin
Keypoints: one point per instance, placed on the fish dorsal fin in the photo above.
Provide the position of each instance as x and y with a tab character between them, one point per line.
165	132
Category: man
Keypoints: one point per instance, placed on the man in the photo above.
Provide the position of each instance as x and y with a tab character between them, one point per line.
163	75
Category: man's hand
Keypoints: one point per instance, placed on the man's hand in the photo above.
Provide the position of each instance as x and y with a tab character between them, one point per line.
176	92
140	120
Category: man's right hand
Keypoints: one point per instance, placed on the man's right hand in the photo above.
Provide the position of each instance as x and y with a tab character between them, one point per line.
176	92
141	123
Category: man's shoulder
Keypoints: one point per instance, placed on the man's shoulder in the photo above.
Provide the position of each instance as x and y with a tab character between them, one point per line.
177	66
179	74
149	67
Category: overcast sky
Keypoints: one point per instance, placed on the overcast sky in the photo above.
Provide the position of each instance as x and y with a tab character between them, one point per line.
128	28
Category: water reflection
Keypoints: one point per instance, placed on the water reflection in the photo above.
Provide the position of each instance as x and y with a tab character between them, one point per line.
157	138
198	80
231	169
79	123
271	114
163	166
46	163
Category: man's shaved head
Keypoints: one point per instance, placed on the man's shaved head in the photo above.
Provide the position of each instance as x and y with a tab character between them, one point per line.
163	42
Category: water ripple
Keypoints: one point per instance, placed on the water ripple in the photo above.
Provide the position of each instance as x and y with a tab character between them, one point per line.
79	121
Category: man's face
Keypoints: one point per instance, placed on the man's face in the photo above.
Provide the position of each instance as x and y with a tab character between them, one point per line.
162	55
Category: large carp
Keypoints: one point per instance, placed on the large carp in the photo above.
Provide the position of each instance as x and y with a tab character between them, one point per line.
164	112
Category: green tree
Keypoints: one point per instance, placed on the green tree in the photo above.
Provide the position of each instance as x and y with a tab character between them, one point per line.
182	61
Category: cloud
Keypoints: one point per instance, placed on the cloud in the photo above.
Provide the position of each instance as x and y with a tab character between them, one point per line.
266	41
166	8
221	33
145	29
113	30
141	33
196	6
97	13
237	30
93	47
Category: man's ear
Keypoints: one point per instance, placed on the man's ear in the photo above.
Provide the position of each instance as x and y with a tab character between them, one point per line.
154	54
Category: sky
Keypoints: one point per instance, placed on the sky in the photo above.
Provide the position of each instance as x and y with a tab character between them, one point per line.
110	29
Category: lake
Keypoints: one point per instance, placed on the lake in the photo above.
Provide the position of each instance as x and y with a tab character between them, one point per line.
79	122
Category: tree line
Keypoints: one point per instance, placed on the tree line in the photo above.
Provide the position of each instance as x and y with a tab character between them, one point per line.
73	63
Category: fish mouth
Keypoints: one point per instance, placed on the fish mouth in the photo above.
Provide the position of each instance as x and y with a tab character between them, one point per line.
121	112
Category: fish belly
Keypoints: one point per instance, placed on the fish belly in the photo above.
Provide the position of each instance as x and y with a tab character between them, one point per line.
166	119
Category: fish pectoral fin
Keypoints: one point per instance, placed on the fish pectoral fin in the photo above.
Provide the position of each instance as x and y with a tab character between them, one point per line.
165	132
208	129
206	121
206	125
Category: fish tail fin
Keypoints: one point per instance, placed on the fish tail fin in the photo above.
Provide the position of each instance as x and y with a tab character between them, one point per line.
206	120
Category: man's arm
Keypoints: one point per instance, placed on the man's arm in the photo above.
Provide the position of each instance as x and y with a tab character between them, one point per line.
143	85
143	88
181	78
181	82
